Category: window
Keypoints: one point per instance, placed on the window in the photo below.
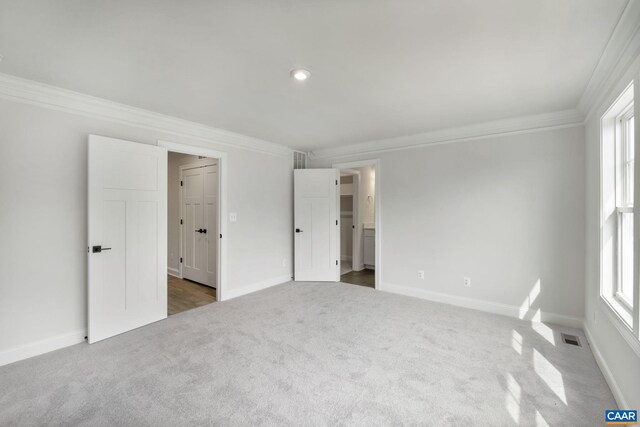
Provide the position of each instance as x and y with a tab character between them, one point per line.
617	203
624	206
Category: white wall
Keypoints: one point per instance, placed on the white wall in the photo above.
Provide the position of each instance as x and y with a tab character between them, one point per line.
506	211
617	358
367	189
43	248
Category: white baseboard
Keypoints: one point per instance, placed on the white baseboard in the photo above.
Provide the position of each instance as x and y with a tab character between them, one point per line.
254	287
346	258
40	347
358	267
482	305
50	344
174	272
606	372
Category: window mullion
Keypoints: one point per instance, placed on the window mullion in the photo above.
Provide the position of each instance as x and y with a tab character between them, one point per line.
636	219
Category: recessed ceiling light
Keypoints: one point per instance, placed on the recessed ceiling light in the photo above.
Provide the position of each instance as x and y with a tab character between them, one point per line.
300	74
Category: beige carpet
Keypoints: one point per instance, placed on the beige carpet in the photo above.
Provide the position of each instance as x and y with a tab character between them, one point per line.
314	354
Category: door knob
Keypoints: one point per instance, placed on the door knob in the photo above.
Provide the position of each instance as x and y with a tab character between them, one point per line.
97	249
298	230
204	230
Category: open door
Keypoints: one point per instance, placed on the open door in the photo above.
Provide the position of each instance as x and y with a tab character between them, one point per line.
127	236
317	245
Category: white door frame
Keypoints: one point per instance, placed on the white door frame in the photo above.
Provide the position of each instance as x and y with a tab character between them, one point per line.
378	212
203	162
222	158
355	232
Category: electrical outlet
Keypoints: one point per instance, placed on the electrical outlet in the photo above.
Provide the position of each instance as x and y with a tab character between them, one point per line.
233	217
467	282
421	274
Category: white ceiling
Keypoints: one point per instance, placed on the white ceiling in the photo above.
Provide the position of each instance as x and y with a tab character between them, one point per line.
380	69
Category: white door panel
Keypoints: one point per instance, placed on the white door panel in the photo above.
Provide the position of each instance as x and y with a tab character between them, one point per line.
200	223
317	249
127	217
193	187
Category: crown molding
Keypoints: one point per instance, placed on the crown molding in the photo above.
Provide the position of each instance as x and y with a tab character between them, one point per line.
519	125
621	51
30	92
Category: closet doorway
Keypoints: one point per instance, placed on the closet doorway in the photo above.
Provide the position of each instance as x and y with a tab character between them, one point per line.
349	180
357	226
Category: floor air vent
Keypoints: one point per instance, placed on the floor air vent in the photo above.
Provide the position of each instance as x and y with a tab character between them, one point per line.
571	339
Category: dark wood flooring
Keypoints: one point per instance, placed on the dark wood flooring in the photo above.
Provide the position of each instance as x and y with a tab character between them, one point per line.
364	277
185	295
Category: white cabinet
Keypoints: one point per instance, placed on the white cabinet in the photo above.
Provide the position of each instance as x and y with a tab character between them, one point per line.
369	247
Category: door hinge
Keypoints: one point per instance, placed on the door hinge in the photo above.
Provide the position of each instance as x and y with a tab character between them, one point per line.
180	183
221	236
336	182
336	262
180	222
336	222
180	260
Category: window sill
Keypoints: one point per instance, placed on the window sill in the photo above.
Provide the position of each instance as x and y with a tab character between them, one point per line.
621	324
620	311
625	305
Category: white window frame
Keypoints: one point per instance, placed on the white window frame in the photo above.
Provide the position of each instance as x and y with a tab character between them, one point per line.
624	315
622	193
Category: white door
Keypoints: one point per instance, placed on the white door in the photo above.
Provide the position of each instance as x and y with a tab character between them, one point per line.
200	224
127	236
317	232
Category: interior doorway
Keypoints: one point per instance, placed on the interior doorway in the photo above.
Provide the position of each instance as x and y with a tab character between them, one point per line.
349	250
358	225
193	233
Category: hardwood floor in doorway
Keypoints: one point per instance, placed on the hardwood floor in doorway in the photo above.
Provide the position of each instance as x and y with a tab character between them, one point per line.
185	295
365	277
